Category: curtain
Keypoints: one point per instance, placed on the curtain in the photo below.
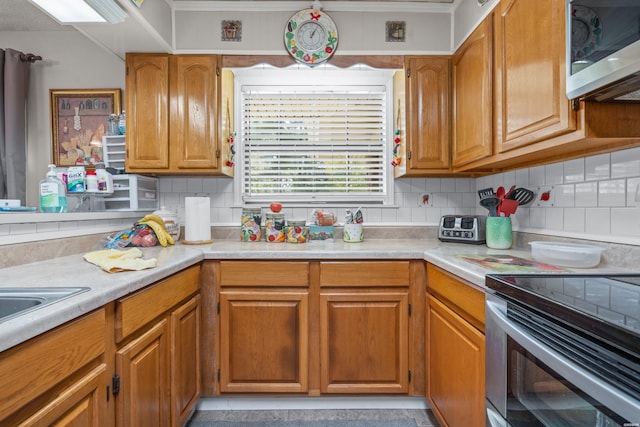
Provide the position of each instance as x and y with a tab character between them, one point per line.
14	82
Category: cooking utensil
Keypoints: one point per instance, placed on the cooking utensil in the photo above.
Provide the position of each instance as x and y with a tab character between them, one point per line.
486	193
500	192
522	195
508	207
491	204
513	187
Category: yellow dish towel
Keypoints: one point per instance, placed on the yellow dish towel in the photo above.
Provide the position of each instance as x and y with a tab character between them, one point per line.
113	260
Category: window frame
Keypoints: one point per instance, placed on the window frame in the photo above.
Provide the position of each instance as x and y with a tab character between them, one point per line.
325	75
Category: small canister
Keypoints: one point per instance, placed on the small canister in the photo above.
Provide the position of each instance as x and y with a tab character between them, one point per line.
297	231
274	227
250	230
170	218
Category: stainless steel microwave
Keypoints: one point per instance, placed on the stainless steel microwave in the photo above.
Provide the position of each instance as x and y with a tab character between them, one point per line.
603	50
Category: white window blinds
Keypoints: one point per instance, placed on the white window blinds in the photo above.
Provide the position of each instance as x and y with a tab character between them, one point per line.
301	144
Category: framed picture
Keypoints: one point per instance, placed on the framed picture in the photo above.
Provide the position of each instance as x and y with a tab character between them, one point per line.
231	31
396	31
79	120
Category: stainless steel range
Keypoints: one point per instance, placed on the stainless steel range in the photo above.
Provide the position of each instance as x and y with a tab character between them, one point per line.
563	350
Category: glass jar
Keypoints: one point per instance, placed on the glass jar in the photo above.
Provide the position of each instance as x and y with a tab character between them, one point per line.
274	227
113	125
297	231
250	230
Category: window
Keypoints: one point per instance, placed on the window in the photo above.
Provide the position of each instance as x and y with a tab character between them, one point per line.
321	140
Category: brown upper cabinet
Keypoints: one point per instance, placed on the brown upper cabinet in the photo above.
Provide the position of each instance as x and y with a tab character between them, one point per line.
522	68
472	118
173	114
426	141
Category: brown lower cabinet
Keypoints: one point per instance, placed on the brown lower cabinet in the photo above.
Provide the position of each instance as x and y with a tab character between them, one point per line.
455	350
133	362
316	327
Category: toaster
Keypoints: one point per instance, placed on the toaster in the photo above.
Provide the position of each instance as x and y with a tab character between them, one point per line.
462	229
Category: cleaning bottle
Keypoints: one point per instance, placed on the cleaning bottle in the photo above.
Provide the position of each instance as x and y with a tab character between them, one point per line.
53	197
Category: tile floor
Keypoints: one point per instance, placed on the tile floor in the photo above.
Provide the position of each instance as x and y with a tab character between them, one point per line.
422	417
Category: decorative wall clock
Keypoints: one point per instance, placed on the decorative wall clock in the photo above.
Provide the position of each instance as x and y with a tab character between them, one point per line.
311	36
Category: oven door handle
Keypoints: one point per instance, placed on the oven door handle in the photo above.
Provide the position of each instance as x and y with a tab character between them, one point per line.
611	397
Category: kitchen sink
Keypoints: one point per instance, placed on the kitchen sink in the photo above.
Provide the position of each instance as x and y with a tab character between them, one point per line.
17	301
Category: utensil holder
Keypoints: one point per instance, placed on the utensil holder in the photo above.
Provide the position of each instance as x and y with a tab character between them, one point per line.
353	233
499	232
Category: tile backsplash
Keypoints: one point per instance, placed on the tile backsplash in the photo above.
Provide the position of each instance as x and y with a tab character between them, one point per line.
589	198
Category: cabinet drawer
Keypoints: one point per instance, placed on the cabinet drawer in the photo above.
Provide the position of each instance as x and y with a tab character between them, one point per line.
142	307
28	370
468	302
267	273
378	273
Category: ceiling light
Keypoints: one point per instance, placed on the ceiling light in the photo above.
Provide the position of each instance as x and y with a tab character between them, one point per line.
81	11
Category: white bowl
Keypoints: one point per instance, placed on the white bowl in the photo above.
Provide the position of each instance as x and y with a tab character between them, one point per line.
566	254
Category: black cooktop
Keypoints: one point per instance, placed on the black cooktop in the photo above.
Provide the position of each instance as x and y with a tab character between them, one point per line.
605	306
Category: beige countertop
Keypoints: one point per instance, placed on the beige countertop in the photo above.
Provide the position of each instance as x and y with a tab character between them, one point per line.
104	287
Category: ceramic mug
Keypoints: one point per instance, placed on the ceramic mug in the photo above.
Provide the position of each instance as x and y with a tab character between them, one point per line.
499	232
353	233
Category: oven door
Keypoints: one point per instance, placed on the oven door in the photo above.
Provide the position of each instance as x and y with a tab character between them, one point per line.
531	384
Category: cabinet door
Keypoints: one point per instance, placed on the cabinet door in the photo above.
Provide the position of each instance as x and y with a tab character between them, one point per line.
147	106
195	81
81	404
455	367
530	101
428	114
185	360
144	373
363	342
472	104
264	341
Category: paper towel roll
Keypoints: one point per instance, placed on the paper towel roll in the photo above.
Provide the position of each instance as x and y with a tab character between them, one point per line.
197	221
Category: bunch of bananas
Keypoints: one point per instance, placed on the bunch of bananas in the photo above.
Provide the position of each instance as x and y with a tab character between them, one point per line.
157	225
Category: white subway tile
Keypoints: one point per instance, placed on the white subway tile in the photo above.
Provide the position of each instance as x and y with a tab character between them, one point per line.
210	185
625	222
179	184
483	182
389	216
433	184
574	219
373	215
574	170
469	200
537	217
598	220
418	185
434	215
554	218
408	200
226	216
440	200
448	185
464	185
522	177
165	184
586	194
47	226
633	191
419	215
225	185
454	200
537	176
565	195
194	185
597	167
554	174
402	185
612	193
625	163
403	215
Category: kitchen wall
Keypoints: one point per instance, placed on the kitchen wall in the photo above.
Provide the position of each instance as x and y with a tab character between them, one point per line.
590	198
